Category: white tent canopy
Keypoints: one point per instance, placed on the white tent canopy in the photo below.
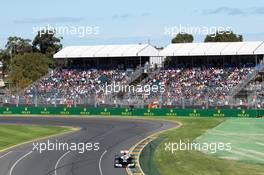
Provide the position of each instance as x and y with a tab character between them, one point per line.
217	48
260	50
95	51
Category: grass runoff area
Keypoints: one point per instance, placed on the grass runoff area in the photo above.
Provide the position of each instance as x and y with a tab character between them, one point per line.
245	136
11	135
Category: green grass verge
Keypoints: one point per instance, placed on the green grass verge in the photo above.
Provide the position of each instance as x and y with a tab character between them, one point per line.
11	135
195	162
246	137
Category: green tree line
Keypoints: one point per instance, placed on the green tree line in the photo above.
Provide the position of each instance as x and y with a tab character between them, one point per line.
25	61
219	36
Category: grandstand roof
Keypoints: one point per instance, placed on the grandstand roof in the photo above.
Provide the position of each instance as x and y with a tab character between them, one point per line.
260	49
130	50
214	48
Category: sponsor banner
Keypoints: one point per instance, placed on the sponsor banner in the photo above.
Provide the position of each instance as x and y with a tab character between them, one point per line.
169	112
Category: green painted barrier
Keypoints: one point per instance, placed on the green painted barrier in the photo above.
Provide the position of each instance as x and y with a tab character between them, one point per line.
244	113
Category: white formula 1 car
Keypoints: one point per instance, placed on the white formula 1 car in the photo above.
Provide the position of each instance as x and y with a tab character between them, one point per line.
124	160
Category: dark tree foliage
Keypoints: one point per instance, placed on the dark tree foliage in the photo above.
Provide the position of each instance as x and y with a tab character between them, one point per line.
28	68
182	38
17	45
47	43
223	36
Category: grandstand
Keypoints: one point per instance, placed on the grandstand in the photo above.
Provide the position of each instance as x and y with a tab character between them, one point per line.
193	74
82	70
211	74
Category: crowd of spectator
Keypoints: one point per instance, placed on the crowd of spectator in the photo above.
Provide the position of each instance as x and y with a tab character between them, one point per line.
196	84
256	91
67	85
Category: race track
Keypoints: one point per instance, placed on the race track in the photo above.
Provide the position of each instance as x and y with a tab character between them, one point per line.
113	134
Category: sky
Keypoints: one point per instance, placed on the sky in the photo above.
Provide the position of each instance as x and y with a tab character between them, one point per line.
86	22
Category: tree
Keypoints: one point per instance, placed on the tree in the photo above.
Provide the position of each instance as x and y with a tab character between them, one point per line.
47	43
223	36
28	68
17	45
182	38
5	59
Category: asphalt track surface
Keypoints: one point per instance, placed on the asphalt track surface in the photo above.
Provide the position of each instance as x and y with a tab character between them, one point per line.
113	134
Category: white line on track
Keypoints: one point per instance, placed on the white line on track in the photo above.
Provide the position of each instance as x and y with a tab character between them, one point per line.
57	164
100	161
5	154
21	158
